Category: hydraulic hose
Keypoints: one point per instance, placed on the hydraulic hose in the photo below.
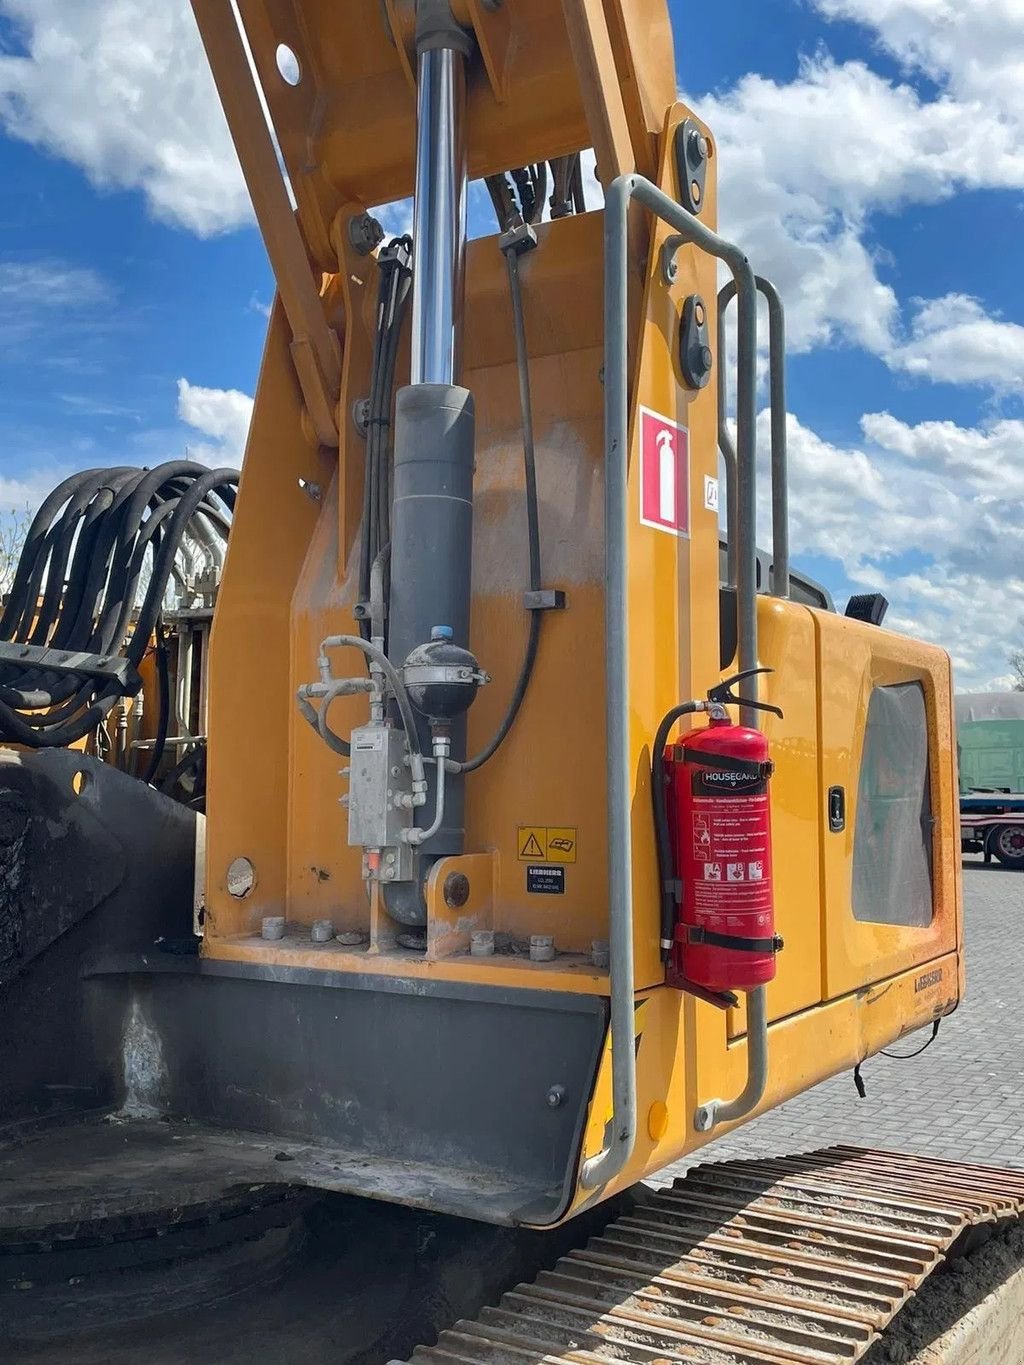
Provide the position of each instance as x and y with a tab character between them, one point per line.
92	578
662	833
393	293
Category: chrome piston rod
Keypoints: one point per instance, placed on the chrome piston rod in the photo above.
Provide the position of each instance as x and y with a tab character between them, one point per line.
439	217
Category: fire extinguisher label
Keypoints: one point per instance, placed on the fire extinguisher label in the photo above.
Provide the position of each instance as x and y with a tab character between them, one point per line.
731	847
713	782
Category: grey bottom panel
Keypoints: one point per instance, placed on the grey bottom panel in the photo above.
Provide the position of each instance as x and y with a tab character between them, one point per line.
457	1099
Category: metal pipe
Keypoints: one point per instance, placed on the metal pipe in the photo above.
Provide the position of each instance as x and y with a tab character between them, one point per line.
439	217
725	445
780	470
598	1170
724	1111
779	585
690	230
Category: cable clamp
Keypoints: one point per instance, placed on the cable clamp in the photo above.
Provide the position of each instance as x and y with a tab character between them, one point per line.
544	599
518	238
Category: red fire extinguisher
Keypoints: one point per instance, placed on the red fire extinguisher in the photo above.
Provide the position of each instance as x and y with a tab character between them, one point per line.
718	931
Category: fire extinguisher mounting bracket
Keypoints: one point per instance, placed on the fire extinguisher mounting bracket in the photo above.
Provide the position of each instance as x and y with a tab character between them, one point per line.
737	942
727	763
723	695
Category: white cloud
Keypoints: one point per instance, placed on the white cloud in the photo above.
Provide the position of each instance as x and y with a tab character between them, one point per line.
953	339
977	48
804	166
221	415
122	89
932	515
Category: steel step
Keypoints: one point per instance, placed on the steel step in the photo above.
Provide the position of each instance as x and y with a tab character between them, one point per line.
791	1259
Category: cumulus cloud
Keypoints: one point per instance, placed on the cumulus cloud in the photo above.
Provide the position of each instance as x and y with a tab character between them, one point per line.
977	48
122	89
953	339
222	416
932	514
805	164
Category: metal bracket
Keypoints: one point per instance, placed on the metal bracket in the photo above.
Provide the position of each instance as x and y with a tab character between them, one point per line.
695	343
691	148
109	668
544	599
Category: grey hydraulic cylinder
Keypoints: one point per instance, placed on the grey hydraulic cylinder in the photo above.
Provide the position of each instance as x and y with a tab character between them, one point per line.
439	217
431	572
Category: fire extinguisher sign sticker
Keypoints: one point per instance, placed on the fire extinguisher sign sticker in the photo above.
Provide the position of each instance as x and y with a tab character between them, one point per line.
664	474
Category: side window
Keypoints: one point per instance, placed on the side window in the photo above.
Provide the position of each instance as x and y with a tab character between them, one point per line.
892	847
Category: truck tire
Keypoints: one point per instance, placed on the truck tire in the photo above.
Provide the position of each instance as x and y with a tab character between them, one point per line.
1007	843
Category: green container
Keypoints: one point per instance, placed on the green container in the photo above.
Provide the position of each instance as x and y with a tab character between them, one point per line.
990	741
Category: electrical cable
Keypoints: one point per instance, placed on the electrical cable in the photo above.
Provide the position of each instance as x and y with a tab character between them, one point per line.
906	1056
91	579
532	521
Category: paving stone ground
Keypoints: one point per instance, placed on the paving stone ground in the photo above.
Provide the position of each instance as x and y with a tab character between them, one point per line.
962	1099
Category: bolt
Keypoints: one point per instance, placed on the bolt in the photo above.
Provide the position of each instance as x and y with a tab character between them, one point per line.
599	953
353	938
322	931
389	857
698	145
456	890
396	770
542	948
555	1096
481	943
706	357
272	927
389	874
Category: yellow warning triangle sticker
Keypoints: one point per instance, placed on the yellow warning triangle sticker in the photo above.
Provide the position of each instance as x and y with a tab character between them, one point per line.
531	848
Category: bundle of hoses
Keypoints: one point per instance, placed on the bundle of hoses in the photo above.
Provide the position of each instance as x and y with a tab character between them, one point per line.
394	287
92	578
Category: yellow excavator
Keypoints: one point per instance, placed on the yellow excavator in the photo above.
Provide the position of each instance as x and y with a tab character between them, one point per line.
441	872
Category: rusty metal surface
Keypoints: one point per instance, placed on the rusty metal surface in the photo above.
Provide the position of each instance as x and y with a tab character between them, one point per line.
792	1259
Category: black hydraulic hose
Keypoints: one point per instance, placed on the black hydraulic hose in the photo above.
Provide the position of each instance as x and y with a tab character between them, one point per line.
662	833
79	582
393	293
532	520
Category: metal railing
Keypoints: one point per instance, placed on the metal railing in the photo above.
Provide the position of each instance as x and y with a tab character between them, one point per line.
606	1164
779	585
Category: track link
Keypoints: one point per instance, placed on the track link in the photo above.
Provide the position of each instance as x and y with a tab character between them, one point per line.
791	1259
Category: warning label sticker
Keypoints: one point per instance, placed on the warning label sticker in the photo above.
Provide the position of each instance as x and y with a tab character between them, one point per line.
547	843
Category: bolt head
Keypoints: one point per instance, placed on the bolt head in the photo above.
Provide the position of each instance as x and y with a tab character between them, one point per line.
704	1119
698	145
555	1096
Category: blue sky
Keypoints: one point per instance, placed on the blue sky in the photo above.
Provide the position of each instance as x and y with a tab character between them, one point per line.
870	163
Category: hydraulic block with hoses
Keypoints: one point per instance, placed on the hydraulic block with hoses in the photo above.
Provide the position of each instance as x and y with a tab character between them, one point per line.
459	885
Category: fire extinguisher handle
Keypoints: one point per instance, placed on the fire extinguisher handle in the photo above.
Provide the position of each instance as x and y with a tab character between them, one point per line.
724	695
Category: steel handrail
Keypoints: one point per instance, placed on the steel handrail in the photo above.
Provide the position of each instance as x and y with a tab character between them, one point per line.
599	1169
